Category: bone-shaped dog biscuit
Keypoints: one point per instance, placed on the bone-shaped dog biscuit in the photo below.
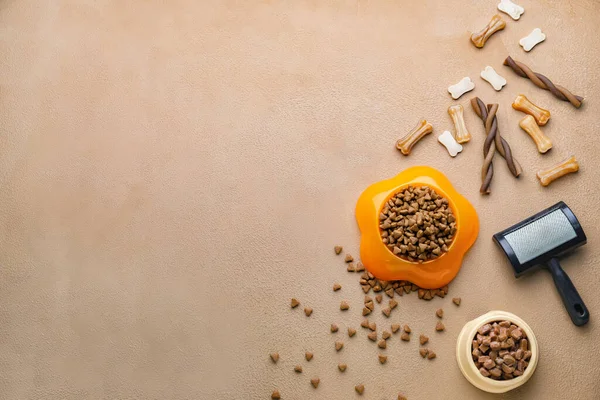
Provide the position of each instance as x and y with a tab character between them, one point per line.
563	168
496	24
449	143
508	7
406	144
465	85
542	142
461	134
489	74
528	42
523	104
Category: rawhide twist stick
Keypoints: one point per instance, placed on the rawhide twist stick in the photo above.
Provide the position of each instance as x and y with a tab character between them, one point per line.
501	145
489	146
543	82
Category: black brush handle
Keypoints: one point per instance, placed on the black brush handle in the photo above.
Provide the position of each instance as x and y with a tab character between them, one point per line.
571	299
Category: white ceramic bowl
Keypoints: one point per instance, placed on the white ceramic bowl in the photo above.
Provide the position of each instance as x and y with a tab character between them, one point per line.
465	359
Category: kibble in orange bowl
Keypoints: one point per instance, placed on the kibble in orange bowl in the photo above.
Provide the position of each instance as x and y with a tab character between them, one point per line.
415	227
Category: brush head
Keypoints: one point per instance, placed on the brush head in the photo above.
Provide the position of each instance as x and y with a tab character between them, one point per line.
540	238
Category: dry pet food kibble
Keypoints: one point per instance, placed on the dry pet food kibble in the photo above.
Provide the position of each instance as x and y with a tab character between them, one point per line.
274	357
360	389
423	352
386	335
342	367
382	359
456	301
294	303
344	305
423	339
439	313
308	355
339	345
430	355
440	327
400	397
395	328
348	258
275	395
379	298
406	328
350	267
372	326
393	304
334	328
351	332
315	382
500	350
372	336
336	287
338	250
360	267
365	323
405	336
382	344
308	311
417	224
386	311
298	368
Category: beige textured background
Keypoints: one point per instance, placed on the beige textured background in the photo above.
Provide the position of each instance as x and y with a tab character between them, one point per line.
172	172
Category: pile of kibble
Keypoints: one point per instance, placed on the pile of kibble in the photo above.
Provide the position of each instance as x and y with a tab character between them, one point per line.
417	224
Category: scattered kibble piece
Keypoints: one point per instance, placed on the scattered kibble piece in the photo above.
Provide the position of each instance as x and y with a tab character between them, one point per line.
390	292
368	299
275	395
338	250
370	305
336	287
382	344
386	311
274	357
298	368
423	352
372	336
315	382
395	328
342	367
308	311
406	328
386	335
379	298
366	311
400	397
350	267
456	301
339	345
382	359
360	389
423	339
431	355
360	267
348	258
308	355
439	313
405	336
334	328
439	326
372	326
365	323
294	302
393	304
344	305
351	332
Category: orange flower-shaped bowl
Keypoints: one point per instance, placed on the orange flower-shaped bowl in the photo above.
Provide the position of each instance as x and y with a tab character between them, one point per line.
382	263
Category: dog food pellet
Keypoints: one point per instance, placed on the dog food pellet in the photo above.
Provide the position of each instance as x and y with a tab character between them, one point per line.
368	299
342	367
334	328
382	344
315	382
439	313
372	336
501	350
350	268
393	304
348	258
423	339
382	359
365	323
275	395
360	389
308	355
339	345
439	326
338	250
400	397
417	224
298	368
344	305
386	335
370	305
406	328
456	301
431	355
379	298
386	311
366	311
423	352
308	311
360	267
274	357
351	332
372	326
336	287
395	328
405	336
295	303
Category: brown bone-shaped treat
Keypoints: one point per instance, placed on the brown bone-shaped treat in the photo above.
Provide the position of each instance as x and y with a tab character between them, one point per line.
523	104
542	142
461	133
496	24
405	144
565	167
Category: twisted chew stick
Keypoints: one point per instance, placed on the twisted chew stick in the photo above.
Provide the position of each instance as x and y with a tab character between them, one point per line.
501	145
489	146
541	81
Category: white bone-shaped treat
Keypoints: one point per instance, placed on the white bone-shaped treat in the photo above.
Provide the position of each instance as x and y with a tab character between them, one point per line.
508	7
536	36
450	143
490	75
465	85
